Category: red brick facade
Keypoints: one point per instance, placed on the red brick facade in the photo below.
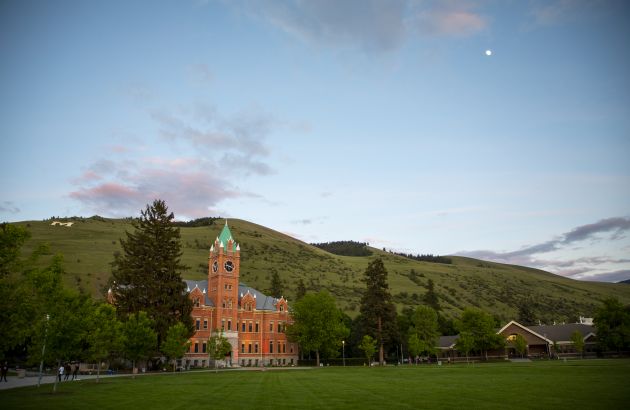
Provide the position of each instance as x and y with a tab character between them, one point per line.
254	323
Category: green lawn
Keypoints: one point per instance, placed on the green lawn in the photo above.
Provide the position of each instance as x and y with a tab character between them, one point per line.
586	384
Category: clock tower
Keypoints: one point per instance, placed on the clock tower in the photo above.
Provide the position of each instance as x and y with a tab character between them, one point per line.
223	280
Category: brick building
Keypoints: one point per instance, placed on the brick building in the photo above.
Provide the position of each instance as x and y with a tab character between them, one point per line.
254	323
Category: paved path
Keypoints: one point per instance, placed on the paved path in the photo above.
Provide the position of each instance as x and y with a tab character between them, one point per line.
31	379
14	381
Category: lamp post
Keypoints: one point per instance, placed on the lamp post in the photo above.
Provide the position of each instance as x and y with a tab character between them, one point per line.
41	363
343	352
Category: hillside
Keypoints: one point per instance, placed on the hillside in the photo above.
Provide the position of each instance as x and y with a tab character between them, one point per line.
89	244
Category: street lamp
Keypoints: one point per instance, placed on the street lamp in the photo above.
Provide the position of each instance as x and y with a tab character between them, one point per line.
41	363
343	350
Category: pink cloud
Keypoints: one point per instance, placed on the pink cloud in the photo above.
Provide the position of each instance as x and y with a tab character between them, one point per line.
119	149
106	196
453	20
87	177
191	189
459	23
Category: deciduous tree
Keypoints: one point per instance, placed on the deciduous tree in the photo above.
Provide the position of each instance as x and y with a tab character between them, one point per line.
578	342
218	347
425	329
465	343
612	321
368	346
520	345
480	326
12	238
176	343
105	335
139	338
317	324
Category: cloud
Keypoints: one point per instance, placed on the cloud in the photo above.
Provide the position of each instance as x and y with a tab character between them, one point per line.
614	276
616	225
527	256
304	221
189	187
552	12
370	25
309	221
448	19
9	207
238	140
201	73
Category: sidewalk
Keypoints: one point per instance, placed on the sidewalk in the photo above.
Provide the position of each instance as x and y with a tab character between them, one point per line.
14	381
31	378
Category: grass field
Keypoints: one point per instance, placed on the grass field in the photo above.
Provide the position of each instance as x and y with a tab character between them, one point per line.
580	384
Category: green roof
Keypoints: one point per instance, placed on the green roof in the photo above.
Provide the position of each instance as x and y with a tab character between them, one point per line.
225	236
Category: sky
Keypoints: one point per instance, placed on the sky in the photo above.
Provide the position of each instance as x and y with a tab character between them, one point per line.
384	122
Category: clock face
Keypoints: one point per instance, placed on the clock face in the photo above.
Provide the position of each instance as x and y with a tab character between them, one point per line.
215	266
229	266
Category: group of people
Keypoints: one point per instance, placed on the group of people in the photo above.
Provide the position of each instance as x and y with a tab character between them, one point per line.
67	369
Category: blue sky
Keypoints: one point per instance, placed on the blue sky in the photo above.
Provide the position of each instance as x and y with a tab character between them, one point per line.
377	121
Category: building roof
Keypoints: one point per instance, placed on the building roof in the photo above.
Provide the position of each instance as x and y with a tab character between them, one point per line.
225	236
562	333
203	286
447	342
263	302
527	329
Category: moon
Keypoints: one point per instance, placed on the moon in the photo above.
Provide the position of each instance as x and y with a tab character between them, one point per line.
488	53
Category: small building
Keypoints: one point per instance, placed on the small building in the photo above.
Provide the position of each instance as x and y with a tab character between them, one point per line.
543	341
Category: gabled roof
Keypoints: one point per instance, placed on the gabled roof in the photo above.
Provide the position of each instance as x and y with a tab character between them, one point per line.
527	329
562	333
203	287
263	302
447	342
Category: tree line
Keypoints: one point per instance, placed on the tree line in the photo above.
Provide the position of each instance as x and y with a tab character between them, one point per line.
206	221
425	257
345	248
45	323
380	333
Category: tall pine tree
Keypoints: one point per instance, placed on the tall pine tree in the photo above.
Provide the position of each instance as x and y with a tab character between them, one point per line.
378	313
431	297
146	276
276	285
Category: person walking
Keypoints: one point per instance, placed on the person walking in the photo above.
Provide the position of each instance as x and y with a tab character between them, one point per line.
5	370
60	372
75	370
67	370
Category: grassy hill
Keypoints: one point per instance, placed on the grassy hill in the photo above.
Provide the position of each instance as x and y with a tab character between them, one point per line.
89	244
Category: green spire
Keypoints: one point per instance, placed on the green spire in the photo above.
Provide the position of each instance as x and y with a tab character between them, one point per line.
225	236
